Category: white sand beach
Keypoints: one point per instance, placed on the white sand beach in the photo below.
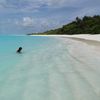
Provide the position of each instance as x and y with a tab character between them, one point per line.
84	80
82	36
85	36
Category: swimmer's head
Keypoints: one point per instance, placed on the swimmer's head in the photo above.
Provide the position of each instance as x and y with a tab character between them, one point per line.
19	50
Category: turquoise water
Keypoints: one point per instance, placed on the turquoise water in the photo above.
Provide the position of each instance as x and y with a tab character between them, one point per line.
9	45
49	68
25	76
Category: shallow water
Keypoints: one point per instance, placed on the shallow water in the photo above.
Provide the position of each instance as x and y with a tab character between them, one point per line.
47	69
9	45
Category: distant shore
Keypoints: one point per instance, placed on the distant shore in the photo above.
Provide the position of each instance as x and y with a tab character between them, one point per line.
76	37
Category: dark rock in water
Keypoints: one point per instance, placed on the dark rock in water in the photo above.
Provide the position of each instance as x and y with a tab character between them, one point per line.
19	50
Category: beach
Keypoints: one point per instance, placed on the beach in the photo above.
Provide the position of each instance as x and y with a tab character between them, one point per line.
51	68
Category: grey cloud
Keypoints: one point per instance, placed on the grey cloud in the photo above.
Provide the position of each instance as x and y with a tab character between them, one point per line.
32	4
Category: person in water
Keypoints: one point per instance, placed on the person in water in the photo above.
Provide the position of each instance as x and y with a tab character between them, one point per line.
19	50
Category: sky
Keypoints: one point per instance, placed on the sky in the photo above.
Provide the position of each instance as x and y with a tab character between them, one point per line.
30	16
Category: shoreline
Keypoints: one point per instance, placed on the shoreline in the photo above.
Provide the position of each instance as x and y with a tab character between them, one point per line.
81	36
87	41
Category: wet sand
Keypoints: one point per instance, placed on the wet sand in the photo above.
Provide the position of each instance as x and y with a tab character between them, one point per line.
89	42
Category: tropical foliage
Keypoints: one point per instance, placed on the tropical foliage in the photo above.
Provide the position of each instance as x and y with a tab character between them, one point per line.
85	25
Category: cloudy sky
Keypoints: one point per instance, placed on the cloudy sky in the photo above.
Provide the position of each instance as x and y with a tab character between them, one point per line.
27	16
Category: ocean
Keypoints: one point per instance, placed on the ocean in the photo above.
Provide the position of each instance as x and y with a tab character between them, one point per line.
25	76
49	68
10	44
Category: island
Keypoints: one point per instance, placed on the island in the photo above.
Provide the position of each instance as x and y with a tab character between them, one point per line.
84	25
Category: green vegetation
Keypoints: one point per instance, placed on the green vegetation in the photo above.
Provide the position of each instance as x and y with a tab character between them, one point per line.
86	25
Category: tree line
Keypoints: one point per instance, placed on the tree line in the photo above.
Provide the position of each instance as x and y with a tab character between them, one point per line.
85	25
